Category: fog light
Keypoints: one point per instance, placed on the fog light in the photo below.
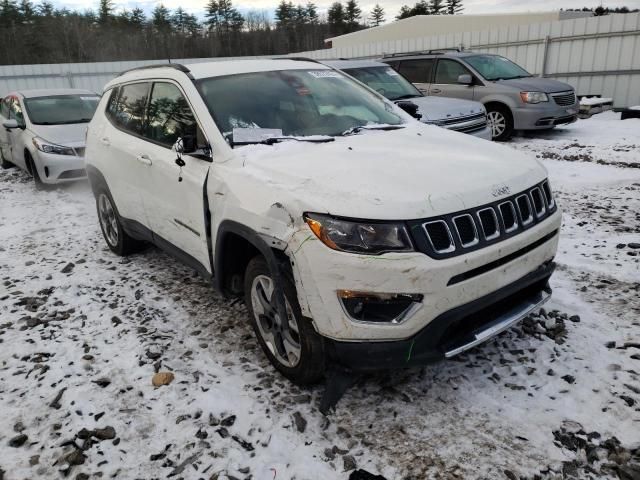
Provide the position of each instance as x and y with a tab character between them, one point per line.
379	307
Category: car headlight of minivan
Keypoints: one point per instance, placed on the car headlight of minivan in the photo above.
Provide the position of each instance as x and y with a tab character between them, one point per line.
365	237
48	147
534	97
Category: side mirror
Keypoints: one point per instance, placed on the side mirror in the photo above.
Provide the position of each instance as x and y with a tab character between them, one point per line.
10	124
411	108
465	79
186	144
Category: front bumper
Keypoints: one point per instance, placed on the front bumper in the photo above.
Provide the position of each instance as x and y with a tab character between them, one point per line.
544	115
59	168
452	332
320	272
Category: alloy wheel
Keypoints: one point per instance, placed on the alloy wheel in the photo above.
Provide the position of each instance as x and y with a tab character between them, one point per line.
281	336
497	122
108	219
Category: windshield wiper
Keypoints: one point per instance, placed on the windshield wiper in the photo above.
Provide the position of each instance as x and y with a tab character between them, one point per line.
354	130
274	140
404	97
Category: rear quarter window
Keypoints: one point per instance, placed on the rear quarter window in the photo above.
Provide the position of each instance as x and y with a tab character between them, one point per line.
127	106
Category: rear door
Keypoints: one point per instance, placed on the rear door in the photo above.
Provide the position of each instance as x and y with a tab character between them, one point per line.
445	83
174	196
418	71
117	150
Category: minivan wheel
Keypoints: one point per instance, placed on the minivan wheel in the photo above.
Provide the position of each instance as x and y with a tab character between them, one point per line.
291	345
117	239
500	121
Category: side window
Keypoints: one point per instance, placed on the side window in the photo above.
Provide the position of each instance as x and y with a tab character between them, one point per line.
16	111
130	108
112	105
417	71
169	116
4	107
448	71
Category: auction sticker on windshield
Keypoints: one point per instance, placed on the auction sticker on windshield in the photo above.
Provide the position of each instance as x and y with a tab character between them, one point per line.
324	74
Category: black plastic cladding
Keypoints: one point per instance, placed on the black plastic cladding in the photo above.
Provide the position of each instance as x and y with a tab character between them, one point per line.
422	242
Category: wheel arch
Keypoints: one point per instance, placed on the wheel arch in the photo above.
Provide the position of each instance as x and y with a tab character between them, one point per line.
236	244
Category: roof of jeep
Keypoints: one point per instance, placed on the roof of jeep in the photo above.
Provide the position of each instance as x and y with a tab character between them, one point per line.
215	69
347	64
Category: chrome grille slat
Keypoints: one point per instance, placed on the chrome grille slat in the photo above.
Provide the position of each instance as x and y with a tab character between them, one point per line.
537	194
529	218
514	224
564	98
442	223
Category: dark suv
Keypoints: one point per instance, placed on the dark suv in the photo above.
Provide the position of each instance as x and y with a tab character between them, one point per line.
514	99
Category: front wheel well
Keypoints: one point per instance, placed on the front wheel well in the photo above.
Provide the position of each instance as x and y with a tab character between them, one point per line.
498	105
237	252
27	156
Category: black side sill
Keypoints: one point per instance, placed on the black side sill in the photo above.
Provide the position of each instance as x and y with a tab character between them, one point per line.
501	261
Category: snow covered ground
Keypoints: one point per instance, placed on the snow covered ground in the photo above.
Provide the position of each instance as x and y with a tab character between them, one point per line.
82	333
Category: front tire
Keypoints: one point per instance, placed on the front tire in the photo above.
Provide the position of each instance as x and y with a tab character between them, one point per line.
500	121
293	347
28	159
119	241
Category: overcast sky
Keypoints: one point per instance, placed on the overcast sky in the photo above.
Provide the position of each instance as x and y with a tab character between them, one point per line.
391	7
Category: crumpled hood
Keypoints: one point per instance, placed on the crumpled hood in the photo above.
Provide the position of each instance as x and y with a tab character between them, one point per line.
537	84
437	108
415	172
68	135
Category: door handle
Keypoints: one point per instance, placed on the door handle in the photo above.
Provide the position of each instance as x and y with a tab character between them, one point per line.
424	90
144	159
105	141
436	90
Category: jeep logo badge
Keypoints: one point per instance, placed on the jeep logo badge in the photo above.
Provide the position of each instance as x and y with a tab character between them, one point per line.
500	190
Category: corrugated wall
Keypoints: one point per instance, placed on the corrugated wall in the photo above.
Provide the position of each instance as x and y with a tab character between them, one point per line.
597	55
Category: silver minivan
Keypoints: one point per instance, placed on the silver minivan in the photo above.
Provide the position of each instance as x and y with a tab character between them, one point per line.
514	99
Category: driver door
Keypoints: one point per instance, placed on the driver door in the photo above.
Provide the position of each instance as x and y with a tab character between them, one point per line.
174	196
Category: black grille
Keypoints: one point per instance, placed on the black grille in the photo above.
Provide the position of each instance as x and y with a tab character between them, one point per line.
564	99
466	230
489	223
524	207
439	235
73	173
538	201
468	118
508	214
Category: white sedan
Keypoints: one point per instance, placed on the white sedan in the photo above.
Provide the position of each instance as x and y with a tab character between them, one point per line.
43	132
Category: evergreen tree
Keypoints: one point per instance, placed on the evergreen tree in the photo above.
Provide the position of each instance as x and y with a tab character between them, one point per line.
284	13
336	19
45	9
137	17
312	13
161	18
105	11
352	14
27	11
9	12
437	7
376	17
211	14
454	7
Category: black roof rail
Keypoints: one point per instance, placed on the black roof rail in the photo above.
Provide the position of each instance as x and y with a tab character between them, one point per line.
175	66
438	51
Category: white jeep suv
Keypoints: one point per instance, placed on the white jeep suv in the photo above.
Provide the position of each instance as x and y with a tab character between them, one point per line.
359	237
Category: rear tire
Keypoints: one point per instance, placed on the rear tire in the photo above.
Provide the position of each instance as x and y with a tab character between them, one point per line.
500	122
294	348
119	241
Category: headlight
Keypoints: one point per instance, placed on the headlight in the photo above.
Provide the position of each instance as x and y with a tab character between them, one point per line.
360	237
46	147
534	97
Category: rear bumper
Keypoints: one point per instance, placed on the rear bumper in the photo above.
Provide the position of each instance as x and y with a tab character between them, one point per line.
452	332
